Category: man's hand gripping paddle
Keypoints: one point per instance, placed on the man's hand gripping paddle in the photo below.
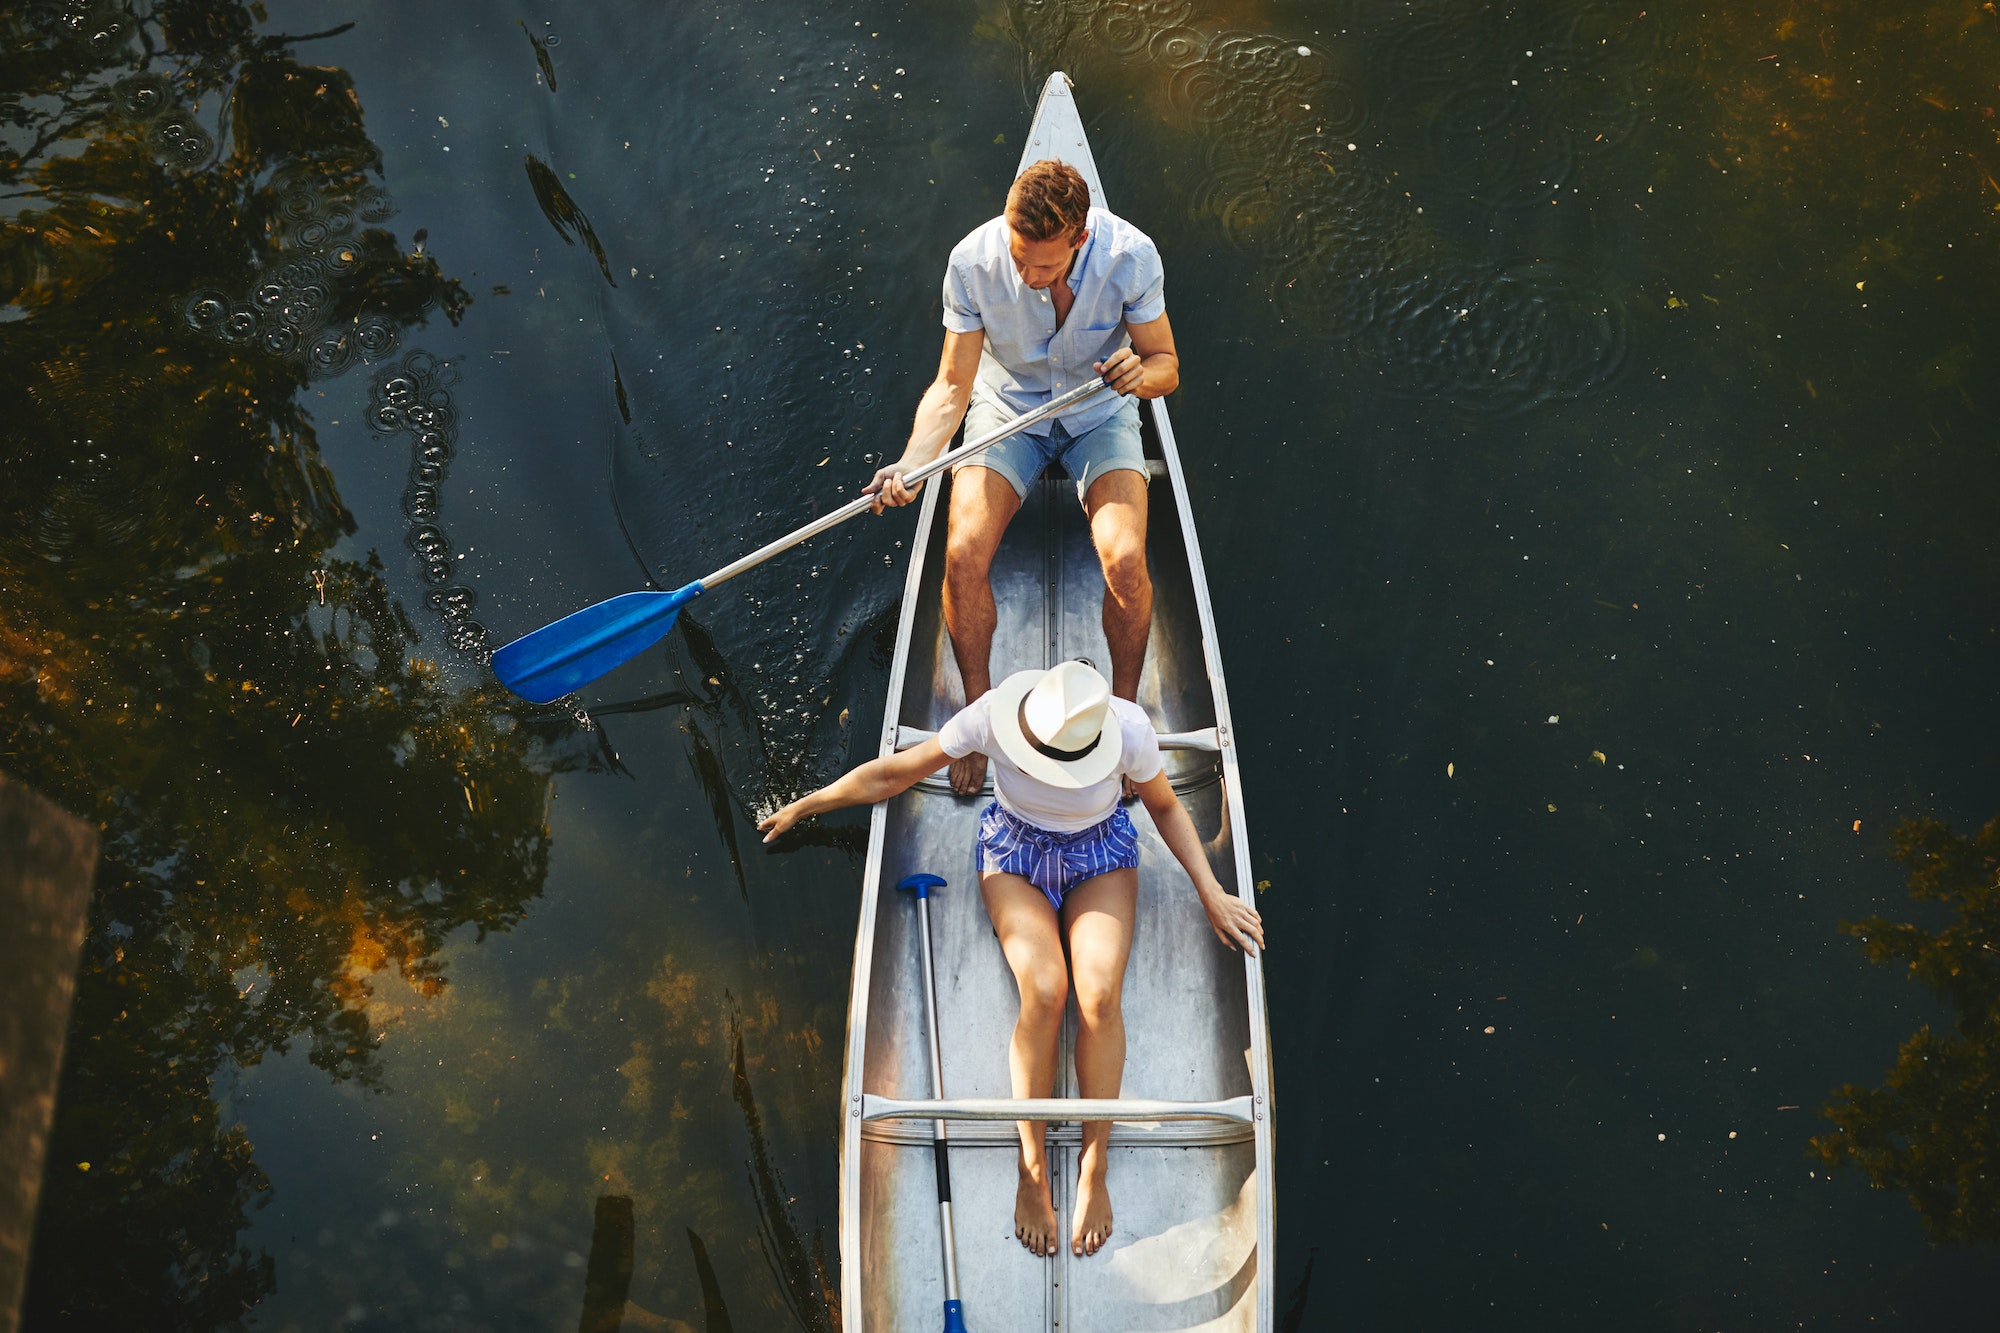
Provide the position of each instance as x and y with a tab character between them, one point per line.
552	661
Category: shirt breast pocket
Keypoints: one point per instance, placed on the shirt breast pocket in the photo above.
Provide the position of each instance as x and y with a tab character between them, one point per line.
1095	339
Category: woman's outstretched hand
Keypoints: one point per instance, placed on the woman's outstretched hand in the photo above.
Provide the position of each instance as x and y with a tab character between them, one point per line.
778	822
876	780
1235	922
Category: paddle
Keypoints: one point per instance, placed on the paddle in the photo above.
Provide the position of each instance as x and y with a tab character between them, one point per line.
548	663
954	1310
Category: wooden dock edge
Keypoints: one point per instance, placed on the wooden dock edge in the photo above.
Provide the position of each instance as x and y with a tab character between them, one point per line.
47	859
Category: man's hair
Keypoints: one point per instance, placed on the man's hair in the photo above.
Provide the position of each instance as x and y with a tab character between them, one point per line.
1049	202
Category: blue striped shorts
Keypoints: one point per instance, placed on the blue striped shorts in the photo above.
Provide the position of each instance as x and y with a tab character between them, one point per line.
1055	863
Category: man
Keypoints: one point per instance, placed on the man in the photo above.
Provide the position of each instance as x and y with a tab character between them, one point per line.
1036	302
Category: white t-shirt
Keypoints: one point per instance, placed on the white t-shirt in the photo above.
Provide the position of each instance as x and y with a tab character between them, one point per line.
1057	809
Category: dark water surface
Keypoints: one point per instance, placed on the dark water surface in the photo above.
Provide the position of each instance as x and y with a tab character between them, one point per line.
1590	413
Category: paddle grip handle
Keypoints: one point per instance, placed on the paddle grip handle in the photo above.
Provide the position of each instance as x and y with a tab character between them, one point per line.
915	476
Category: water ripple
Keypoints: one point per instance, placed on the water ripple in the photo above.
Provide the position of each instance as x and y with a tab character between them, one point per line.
1511	340
147	103
303	305
1514	104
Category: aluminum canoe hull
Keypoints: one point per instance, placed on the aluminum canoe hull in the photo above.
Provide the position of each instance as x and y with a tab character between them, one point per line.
1193	1244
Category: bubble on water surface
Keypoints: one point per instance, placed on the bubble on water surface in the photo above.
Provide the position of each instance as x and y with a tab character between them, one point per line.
374	337
240	325
280	340
299	272
205	312
313	212
414	399
179	141
141	95
1176	47
299	309
331	351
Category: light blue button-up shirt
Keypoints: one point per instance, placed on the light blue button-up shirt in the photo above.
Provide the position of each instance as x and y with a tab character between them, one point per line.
1117	280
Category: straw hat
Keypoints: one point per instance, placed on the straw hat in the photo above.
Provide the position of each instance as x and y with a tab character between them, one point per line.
1057	726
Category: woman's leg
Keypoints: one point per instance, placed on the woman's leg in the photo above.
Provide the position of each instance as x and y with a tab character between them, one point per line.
1097	917
1029	937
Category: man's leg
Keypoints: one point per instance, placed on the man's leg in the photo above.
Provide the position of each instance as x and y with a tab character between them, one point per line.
1027	928
982	502
1097	918
1116	503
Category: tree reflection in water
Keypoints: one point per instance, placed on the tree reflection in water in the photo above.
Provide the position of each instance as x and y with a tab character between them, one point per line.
725	735
291	803
1930	1130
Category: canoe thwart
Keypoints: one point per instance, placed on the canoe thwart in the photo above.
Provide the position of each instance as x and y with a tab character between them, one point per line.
910	737
975	1134
872	1107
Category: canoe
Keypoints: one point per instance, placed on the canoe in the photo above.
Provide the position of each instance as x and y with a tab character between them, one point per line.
1192	1143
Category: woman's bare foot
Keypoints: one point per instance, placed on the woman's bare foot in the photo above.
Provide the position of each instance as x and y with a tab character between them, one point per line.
1093	1210
968	774
1034	1213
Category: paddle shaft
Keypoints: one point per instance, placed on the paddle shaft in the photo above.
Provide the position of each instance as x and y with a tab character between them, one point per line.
937	1090
915	476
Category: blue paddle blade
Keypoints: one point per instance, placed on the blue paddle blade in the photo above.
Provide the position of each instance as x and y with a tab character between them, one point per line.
552	661
954	1317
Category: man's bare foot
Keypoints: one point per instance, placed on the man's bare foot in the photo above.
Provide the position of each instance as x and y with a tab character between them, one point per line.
968	774
1034	1213
1093	1211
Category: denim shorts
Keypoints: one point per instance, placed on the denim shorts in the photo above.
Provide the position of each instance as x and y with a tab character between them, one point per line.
1055	863
1110	447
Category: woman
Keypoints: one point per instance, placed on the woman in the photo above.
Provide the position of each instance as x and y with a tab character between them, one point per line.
1058	863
